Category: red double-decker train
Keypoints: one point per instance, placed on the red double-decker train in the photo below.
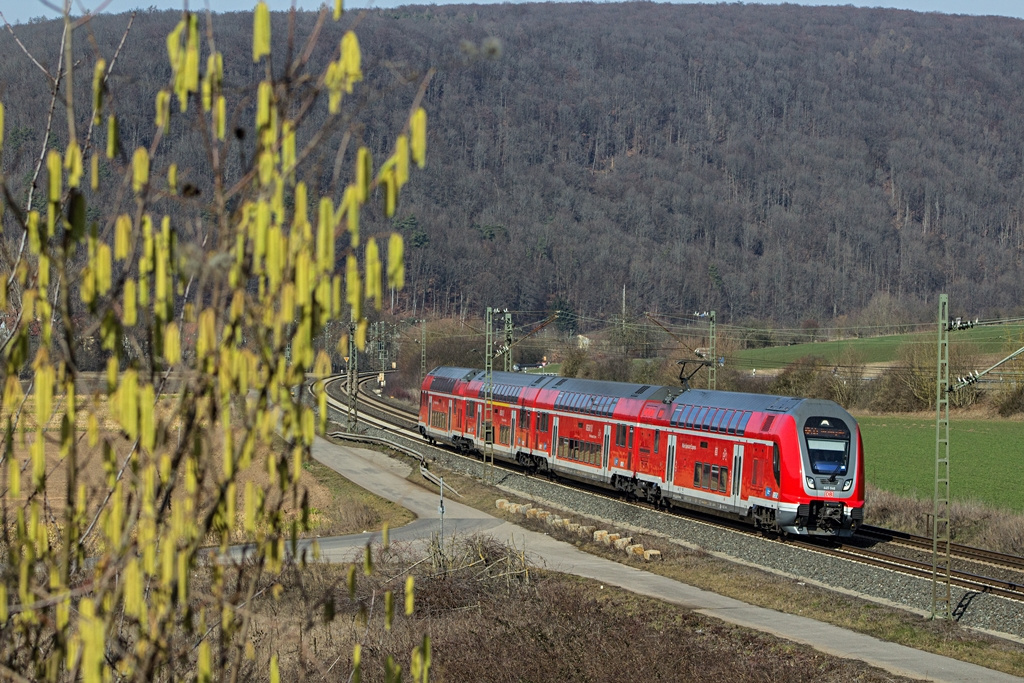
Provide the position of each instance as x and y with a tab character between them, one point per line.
794	465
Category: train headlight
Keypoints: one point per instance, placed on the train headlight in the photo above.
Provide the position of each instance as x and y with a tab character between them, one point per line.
810	482
848	484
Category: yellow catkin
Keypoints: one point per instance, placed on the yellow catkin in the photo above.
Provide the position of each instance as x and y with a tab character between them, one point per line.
172	344
99	73
140	170
418	132
361	333
55	171
130	314
354	287
163	111
112	137
402	160
351	60
373	274
73	164
410	600
172	179
260	31
122	236
264	101
220	117
338	9
94	172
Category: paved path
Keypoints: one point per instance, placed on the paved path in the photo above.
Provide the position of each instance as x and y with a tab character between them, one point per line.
386	477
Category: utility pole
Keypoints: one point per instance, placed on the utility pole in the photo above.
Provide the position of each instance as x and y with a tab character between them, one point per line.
508	341
489	394
712	369
423	350
941	561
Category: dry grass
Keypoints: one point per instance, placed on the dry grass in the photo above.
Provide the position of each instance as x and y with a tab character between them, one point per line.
971	522
491	618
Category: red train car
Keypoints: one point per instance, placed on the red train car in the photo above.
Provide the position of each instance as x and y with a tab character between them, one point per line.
789	464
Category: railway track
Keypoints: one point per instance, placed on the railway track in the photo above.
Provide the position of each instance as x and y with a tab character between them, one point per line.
399	421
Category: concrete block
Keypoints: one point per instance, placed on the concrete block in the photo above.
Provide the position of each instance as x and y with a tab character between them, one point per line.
501	503
652	555
573	527
611	538
600	535
532	513
543	514
621	543
635	549
525	507
586	531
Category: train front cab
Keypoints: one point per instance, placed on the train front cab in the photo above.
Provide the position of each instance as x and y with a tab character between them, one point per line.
822	470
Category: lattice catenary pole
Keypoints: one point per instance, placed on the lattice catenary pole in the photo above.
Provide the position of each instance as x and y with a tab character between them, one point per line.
941	561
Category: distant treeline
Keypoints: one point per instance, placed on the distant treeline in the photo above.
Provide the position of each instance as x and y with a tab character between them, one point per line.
770	162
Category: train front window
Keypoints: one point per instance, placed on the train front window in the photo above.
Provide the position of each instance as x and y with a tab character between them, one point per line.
828	445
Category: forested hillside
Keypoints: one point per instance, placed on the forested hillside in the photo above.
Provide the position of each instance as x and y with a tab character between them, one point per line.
771	162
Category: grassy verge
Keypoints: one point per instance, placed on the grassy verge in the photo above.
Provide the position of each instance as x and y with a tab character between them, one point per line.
352	509
765	589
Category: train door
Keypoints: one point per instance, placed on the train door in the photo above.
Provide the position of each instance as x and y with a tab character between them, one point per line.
512	434
450	423
479	416
554	438
670	459
607	446
737	474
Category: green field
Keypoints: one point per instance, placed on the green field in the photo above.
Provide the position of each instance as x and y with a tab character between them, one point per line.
986	458
985	340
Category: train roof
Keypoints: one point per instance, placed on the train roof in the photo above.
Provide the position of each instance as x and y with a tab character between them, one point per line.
553	382
645	392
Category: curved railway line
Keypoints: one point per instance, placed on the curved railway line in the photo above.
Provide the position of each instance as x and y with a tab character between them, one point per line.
892	550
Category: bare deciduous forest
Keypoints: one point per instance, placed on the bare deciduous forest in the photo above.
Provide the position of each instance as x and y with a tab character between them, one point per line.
772	163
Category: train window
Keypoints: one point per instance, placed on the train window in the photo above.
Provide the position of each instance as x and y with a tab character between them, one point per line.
674	420
579	425
723	480
657	438
620	435
714	478
721	417
735	421
505	434
697	469
631	438
706	422
687	417
742	426
703	444
524	418
470	409
542	422
699	419
707	474
611	408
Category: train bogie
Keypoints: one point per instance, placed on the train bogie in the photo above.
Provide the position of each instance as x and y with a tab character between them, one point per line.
787	464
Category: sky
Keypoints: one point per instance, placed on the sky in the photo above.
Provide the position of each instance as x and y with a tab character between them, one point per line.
18	11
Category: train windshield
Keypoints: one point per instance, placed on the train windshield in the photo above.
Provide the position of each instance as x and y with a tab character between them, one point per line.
828	445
